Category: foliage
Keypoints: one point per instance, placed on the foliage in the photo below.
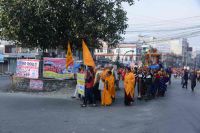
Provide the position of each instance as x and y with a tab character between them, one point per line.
51	23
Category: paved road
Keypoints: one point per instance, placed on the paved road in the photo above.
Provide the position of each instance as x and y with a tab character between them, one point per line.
178	112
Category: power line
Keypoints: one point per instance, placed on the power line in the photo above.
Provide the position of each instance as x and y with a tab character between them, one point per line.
173	21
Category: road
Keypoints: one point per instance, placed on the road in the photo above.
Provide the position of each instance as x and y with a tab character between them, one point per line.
178	112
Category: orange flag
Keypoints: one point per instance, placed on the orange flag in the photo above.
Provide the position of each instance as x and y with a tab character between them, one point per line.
87	57
69	56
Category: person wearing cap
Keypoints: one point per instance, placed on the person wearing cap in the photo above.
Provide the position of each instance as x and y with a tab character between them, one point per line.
129	83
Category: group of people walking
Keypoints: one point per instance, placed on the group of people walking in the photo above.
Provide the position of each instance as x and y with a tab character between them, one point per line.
192	75
101	84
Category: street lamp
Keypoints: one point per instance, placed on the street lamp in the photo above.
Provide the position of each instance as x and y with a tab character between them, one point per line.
125	55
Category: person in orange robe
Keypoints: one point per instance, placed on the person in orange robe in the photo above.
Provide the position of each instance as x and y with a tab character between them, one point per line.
129	83
106	99
111	80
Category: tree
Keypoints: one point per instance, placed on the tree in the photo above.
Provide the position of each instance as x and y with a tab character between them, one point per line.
51	23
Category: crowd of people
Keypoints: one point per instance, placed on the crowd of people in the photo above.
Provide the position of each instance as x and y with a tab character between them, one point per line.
102	82
192	75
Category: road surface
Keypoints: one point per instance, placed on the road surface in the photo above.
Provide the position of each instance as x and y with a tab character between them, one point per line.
178	112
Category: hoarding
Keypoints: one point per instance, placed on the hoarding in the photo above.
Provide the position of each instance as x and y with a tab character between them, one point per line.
27	68
56	68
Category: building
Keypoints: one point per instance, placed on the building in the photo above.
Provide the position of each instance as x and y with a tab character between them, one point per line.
176	48
11	53
124	53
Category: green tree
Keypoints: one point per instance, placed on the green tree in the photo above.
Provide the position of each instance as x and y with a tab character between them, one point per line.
51	23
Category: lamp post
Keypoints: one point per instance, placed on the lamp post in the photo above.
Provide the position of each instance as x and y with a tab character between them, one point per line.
125	55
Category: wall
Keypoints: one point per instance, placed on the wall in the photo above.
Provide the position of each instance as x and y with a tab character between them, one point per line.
22	84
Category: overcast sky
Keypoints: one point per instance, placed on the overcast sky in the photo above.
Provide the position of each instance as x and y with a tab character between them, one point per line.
163	14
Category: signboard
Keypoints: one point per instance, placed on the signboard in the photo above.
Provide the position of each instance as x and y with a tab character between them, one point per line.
81	83
56	68
36	85
1	58
27	68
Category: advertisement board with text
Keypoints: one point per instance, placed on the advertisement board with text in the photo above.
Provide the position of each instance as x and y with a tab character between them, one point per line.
27	68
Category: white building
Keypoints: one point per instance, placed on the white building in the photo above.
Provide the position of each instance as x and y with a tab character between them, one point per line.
124	52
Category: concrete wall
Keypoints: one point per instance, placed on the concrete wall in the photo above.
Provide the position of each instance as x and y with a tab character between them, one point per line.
23	84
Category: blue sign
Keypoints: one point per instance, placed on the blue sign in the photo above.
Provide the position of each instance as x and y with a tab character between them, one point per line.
1	58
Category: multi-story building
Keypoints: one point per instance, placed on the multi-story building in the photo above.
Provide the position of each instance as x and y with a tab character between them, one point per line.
177	48
124	53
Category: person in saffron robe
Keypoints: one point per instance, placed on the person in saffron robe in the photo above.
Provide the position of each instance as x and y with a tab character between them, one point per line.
129	83
106	99
111	84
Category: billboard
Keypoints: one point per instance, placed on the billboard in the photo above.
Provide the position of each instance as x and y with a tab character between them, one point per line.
56	68
27	68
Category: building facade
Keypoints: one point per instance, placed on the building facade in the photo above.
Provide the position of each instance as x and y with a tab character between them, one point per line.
124	52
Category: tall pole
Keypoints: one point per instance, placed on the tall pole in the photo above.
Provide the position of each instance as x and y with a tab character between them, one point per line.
125	55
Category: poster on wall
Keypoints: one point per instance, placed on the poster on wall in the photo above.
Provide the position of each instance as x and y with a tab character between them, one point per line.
36	85
81	83
56	68
27	68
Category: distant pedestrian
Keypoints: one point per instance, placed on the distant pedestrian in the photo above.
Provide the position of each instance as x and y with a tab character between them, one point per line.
169	72
193	78
185	79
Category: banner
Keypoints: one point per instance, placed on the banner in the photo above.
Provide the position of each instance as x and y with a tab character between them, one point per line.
27	68
36	85
56	68
81	83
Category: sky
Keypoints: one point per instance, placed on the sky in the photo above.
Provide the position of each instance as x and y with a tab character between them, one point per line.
164	15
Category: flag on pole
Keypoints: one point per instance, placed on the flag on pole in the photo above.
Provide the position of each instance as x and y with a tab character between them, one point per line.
87	57
69	56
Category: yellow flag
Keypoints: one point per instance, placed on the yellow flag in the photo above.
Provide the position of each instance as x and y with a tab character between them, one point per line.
69	56
87	57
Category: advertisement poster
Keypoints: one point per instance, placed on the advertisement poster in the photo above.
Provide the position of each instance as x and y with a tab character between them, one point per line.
56	68
81	83
27	68
36	85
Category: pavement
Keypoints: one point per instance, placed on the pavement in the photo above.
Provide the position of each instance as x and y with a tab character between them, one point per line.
177	112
